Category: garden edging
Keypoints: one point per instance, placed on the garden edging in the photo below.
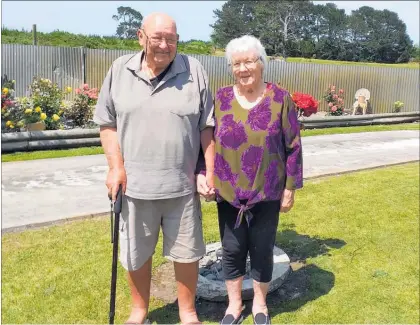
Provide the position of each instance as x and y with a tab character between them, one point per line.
64	139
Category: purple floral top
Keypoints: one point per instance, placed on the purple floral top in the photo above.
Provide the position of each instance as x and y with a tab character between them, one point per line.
258	151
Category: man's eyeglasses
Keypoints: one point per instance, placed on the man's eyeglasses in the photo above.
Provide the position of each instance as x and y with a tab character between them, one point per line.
248	64
156	40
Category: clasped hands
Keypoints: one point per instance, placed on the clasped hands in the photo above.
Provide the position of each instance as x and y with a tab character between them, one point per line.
205	186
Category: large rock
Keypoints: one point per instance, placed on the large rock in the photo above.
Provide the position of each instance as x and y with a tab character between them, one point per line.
212	287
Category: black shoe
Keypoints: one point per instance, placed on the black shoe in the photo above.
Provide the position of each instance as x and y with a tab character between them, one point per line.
261	319
230	319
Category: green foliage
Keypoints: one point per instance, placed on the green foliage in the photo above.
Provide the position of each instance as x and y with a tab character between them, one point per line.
81	109
60	38
129	22
305	29
48	97
335	100
398	105
10	112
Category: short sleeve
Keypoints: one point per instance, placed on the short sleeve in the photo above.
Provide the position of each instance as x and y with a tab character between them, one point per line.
206	99
105	114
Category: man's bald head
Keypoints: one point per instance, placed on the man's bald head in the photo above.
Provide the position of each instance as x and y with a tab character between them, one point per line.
159	22
159	39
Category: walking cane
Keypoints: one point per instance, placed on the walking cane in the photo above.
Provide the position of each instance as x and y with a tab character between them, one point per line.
116	208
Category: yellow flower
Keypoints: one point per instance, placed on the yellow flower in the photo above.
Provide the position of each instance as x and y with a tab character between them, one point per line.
69	89
60	112
38	109
43	116
20	124
28	111
8	123
12	126
55	117
5	91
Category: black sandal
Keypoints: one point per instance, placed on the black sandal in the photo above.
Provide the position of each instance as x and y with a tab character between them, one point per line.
230	319
261	319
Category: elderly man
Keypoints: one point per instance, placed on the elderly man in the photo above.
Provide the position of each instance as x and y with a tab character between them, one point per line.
154	110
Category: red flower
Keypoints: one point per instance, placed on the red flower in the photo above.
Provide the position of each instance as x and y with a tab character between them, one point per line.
306	104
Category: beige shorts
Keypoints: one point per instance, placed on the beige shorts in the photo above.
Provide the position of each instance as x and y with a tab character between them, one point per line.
140	223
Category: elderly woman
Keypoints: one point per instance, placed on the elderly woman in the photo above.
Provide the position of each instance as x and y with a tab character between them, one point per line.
258	167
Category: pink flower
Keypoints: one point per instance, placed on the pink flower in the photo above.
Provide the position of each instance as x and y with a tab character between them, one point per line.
77	91
334	108
340	100
85	87
341	91
330	104
335	96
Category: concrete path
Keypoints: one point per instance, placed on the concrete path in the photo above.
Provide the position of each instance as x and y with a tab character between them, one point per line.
47	190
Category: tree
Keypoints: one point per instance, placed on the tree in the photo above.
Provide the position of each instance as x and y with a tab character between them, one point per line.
278	24
129	22
379	36
235	19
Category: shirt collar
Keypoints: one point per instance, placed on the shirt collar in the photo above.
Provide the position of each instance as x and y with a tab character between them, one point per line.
178	66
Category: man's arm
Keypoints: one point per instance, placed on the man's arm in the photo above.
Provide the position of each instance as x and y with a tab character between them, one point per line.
116	174
206	134
207	144
105	117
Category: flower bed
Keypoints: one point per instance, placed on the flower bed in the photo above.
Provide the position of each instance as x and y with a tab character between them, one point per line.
45	107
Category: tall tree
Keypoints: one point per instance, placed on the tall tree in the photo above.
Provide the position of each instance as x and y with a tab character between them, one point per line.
277	24
379	36
236	18
129	22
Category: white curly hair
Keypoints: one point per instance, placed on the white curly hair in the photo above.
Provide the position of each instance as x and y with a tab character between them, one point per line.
244	44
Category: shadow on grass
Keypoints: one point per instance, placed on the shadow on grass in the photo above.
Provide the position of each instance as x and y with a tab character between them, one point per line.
304	284
300	247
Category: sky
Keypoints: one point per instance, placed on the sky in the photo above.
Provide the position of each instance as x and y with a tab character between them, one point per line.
193	17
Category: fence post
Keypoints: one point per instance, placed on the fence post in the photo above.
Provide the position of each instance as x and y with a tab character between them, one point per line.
83	61
34	36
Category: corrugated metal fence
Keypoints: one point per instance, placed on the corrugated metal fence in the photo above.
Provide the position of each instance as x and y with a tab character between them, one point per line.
75	66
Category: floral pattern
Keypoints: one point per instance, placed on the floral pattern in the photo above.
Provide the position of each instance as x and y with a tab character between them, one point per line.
225	96
258	151
223	170
272	181
259	117
251	161
272	140
231	133
279	95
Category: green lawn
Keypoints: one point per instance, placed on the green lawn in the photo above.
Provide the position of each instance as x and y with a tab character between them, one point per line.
19	156
354	241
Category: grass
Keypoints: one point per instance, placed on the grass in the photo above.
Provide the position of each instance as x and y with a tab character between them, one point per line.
355	238
409	65
20	156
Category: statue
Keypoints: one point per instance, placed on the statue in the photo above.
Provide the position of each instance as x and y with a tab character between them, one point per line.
362	104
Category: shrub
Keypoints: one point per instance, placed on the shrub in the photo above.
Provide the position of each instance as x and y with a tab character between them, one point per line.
398	105
46	99
335	101
81	110
10	113
306	105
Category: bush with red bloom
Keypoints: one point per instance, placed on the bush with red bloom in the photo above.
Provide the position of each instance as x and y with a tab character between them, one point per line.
335	100
306	105
81	110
